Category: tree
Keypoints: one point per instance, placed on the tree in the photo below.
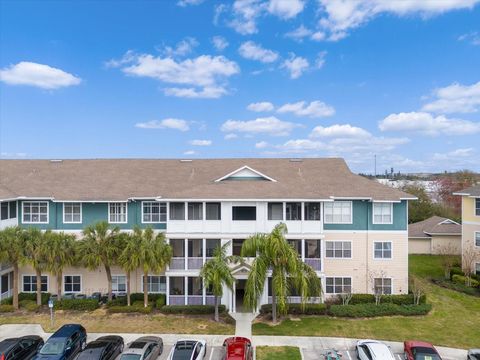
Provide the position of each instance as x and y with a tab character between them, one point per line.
419	209
447	258
60	253
99	246
12	252
216	273
451	183
417	288
377	290
468	261
36	254
346	297
275	254
129	259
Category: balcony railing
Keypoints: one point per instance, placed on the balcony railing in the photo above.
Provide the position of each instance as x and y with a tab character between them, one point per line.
298	300
316	264
177	299
195	299
210	300
177	263
6	294
195	263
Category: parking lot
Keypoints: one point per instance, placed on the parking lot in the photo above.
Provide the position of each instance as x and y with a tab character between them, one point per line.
213	353
315	354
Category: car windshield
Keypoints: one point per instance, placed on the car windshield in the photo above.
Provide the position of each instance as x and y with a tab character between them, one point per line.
130	357
53	347
423	353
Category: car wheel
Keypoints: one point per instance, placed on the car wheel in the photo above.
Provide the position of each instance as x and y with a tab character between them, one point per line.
83	345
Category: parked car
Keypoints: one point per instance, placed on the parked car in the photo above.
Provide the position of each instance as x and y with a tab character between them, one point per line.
188	350
21	348
473	354
237	348
144	348
420	350
373	350
104	348
64	344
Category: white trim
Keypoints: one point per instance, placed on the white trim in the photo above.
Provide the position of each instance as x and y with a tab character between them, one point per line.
373	213
35	222
333	222
125	276
64	283
126	212
475	238
155	292
391	286
341	277
32	292
339	258
448	221
387	201
72	222
475	207
348	231
351	198
247	168
383	258
159	214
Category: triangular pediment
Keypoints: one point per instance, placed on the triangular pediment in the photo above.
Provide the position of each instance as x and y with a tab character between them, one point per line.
448	221
242	269
246	173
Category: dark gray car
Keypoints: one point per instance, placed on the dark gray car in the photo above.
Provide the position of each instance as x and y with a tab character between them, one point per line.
144	348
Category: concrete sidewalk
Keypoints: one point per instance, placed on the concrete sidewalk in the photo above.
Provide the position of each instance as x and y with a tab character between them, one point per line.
303	342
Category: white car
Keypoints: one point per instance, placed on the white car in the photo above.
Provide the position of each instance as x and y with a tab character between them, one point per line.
186	349
373	350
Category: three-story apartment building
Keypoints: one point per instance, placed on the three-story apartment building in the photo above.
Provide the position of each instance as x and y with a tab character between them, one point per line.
351	230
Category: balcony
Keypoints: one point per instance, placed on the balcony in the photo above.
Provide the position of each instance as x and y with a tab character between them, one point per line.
194	263
316	264
177	263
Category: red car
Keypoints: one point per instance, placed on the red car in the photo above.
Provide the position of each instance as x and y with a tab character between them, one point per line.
237	348
419	350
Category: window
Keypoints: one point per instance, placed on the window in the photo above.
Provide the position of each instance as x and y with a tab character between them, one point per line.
195	286
195	248
177	211
338	285
477	238
178	247
477	206
382	250
72	212
297	245
156	284
72	283
211	245
312	249
119	283
213	211
383	286
117	212
338	249
8	210
177	285
477	268
30	283
338	212
35	212
244	213
275	211
195	211
154	212
293	211
237	246
382	213
312	211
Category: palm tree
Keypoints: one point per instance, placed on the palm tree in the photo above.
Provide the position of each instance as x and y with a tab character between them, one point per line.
275	254
35	252
60	253
129	258
216	273
12	252
98	247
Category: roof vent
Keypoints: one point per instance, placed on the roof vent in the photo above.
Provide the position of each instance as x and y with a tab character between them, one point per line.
56	160
296	160
186	160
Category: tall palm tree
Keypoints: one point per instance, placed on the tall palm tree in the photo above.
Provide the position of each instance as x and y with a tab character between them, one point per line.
35	252
129	259
216	273
275	254
60	253
12	252
98	247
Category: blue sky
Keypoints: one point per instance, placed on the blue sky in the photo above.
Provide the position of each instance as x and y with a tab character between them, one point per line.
245	78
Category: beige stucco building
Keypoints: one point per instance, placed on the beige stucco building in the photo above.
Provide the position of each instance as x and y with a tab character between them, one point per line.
435	235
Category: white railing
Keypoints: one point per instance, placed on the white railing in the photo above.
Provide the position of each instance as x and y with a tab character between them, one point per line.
298	300
316	264
177	299
177	263
210	300
195	263
195	299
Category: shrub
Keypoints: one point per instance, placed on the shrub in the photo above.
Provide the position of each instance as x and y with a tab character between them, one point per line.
122	301
27	296
161	302
460	287
296	309
456	271
139	297
7	301
76	304
372	310
136	307
362	299
191	309
6	308
403	299
29	305
459	279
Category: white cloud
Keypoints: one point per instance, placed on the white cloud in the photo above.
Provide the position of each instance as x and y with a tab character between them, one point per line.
245	16
230	136
299	33
252	51
13	155
339	17
302	145
285	9
261	145
296	65
340	131
313	109
170	123
263	106
38	75
320	60
219	42
205	74
455	154
190	152
455	98
184	3
318	36
182	48
268	125
201	142
471	37
427	124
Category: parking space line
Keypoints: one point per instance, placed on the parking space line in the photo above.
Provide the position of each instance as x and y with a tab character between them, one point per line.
348	354
211	353
399	357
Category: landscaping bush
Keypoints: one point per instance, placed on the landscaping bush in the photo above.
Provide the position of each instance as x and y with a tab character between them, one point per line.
456	271
372	310
122	301
191	309
457	287
29	305
459	279
6	308
404	299
136	307
76	304
362	299
139	297
7	301
296	309
161	301
27	296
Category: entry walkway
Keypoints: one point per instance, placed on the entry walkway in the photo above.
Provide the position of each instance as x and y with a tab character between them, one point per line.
243	325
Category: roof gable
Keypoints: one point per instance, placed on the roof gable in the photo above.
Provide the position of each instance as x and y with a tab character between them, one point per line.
245	173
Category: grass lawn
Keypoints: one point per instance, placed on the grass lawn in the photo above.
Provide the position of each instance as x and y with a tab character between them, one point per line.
454	320
99	321
278	353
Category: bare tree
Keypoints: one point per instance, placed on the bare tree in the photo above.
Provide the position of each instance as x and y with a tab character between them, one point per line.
468	261
418	290
376	289
346	296
448	257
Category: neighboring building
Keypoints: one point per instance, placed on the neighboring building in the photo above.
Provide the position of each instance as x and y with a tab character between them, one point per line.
351	230
435	235
471	223
430	186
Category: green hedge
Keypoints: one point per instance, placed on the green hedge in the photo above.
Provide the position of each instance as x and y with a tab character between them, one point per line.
136	307
456	271
459	279
139	297
457	287
76	304
404	299
191	309
6	308
27	296
29	305
372	310
155	299
296	309
161	301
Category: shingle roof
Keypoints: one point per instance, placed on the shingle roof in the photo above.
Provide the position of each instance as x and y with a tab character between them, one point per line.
436	225
121	179
471	191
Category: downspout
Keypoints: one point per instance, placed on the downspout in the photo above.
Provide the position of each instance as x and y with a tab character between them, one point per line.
366	248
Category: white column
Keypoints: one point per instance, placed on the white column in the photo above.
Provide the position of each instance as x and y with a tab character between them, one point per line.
204	251
303	249
167	240
167	279
185	253
204	294
186	289
234	297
